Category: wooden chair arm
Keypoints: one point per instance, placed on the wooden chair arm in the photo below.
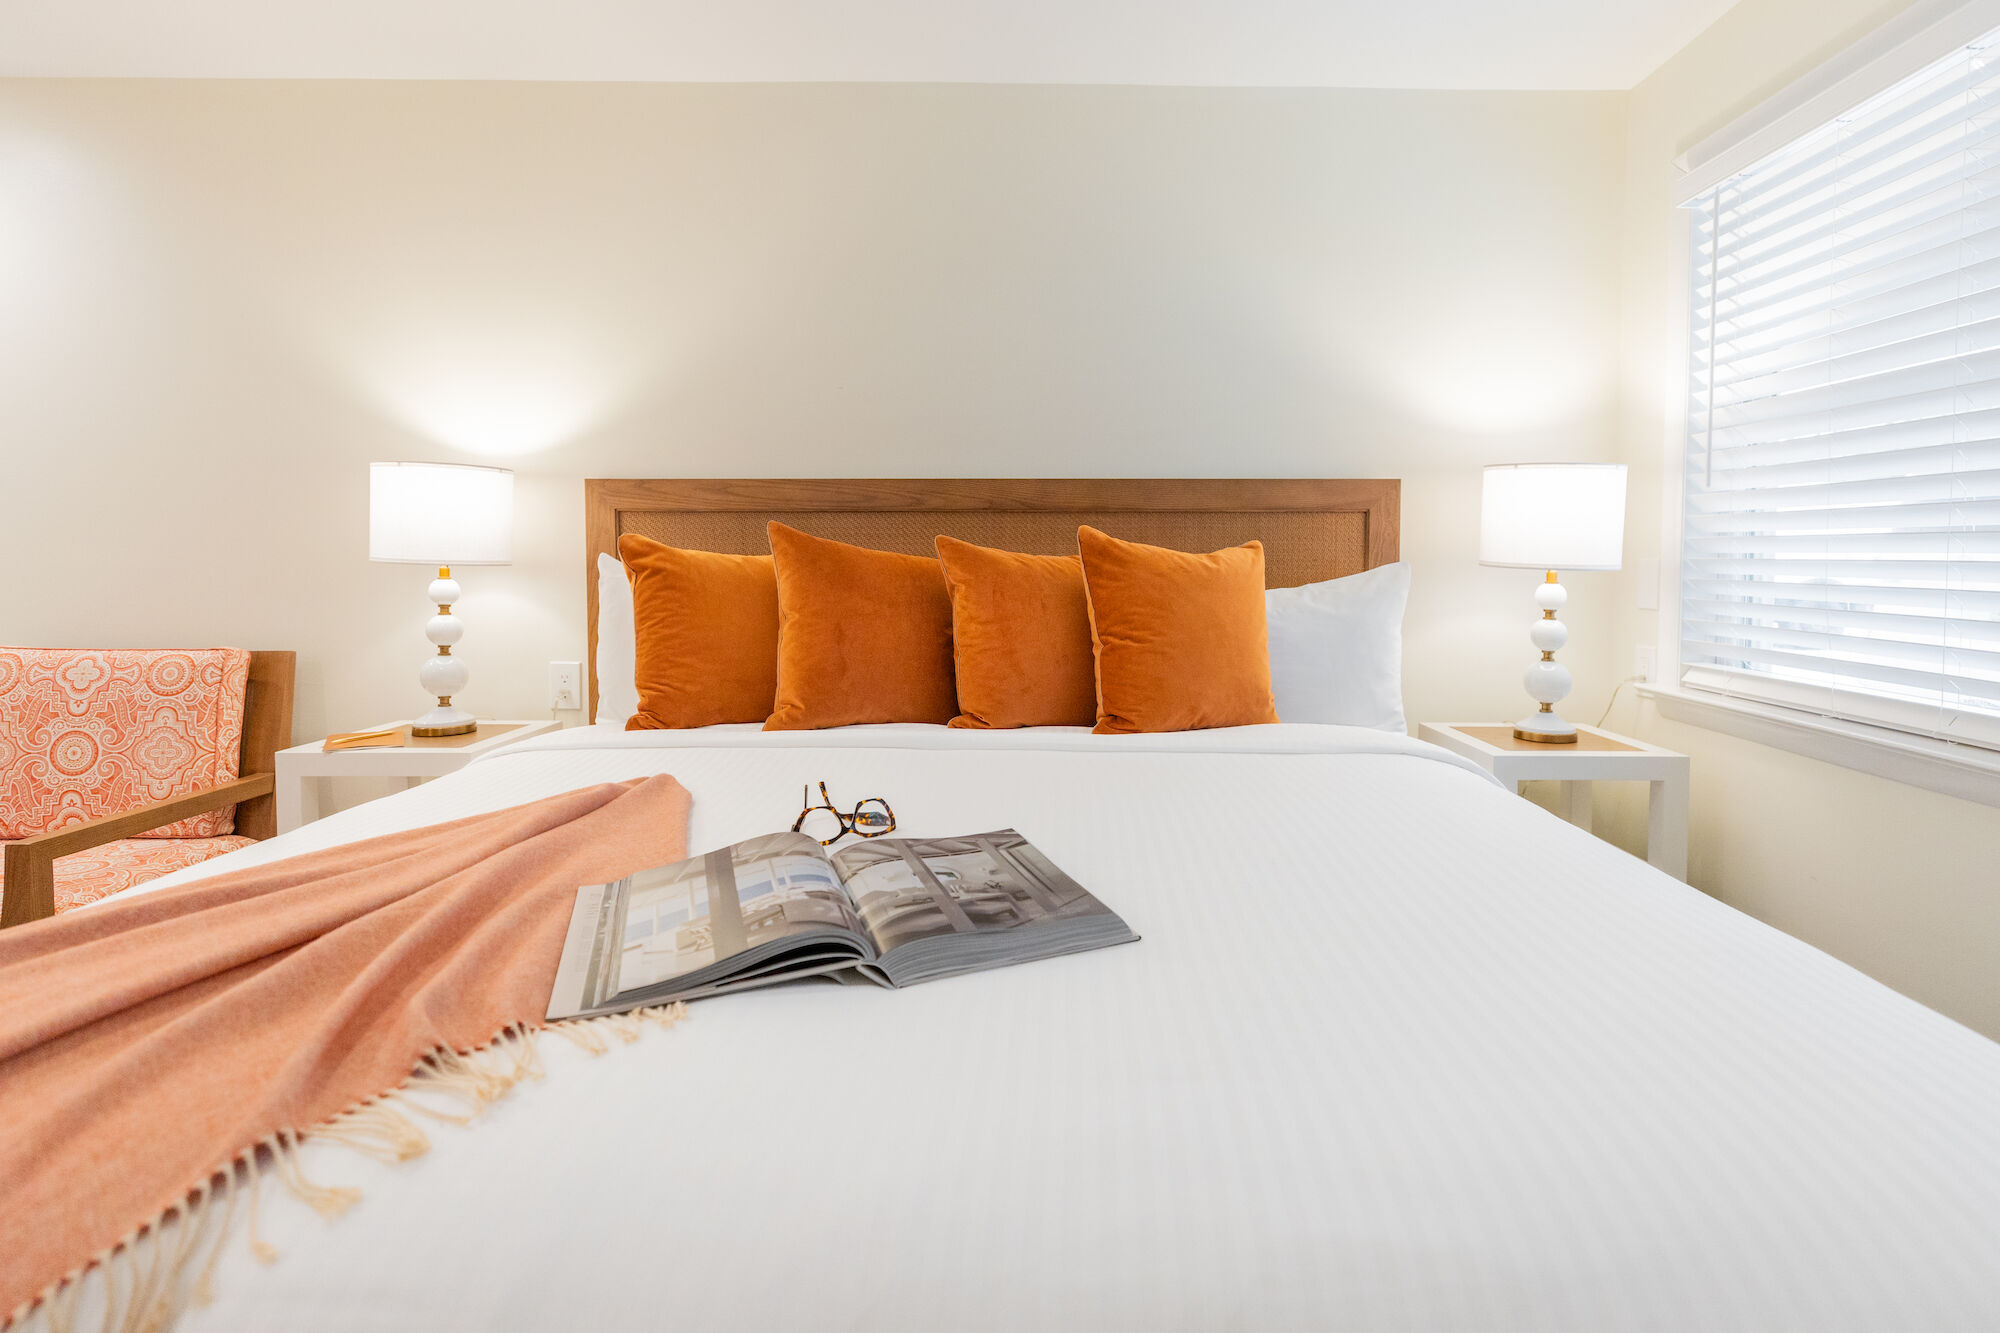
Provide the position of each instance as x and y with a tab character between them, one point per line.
29	890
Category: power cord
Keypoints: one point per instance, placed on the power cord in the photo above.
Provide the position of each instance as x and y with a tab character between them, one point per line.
1612	702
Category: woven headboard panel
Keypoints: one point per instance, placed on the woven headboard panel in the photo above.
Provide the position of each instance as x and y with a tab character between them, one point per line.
1311	529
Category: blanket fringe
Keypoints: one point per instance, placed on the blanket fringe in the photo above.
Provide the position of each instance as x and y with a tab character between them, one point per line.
144	1278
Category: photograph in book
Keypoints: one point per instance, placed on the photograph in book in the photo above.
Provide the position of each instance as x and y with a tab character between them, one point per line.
683	918
895	911
908	890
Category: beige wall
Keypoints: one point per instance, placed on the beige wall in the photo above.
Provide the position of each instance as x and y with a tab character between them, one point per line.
218	301
1900	882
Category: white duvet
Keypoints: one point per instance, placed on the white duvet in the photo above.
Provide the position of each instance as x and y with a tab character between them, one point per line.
1398	1050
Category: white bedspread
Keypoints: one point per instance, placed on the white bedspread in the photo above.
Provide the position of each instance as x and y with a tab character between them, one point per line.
1397	1051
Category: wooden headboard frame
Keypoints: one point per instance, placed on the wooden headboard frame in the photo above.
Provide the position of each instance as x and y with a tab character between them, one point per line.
1311	529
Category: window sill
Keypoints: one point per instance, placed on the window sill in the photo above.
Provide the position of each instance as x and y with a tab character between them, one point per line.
1964	771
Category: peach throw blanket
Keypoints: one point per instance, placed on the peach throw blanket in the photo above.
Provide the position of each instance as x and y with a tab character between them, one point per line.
149	1048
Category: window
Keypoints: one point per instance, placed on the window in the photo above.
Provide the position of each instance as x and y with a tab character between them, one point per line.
1841	527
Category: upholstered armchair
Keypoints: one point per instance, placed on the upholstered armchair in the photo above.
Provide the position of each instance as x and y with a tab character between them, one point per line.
117	767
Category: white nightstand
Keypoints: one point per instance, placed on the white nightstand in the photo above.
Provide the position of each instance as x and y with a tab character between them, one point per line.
417	758
1597	756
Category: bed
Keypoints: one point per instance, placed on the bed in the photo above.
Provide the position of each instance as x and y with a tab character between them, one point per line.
1398	1050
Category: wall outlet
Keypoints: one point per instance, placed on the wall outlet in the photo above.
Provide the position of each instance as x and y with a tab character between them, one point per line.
1645	661
565	685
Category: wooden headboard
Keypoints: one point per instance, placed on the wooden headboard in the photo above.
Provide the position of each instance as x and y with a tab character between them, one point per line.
1311	529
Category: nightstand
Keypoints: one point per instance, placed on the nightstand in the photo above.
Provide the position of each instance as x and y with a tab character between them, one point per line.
1597	756
417	758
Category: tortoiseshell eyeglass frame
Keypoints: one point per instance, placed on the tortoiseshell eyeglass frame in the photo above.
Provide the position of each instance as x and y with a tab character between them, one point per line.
853	823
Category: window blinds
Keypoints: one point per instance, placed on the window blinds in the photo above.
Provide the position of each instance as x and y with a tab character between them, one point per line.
1841	541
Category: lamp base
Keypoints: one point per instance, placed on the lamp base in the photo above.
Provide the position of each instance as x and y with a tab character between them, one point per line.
1546	729
445	720
1547	681
444	675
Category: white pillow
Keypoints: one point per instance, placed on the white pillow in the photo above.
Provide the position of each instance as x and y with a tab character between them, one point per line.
617	644
1337	649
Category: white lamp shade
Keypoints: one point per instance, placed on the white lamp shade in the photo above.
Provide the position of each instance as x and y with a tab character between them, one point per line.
1553	516
440	514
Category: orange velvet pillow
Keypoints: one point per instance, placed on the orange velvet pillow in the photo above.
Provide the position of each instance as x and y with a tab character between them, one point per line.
706	627
1179	638
863	636
1020	628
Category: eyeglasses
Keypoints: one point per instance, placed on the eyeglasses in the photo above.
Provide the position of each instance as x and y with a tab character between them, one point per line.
871	819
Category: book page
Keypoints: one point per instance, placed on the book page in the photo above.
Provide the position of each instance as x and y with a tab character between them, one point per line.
909	889
681	918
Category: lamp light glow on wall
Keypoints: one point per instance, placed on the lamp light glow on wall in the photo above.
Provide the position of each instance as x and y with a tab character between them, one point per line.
441	514
1551	516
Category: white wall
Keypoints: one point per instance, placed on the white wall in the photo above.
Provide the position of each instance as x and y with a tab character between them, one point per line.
219	300
1897	881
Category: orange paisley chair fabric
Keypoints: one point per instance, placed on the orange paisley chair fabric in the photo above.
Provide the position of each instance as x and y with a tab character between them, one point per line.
86	733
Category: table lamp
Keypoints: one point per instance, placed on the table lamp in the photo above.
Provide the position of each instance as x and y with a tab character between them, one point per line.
441	514
1551	516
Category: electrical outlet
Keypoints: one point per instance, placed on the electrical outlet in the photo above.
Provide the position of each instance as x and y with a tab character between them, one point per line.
565	685
1645	661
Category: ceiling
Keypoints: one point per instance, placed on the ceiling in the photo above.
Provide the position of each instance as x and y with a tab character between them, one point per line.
1548	44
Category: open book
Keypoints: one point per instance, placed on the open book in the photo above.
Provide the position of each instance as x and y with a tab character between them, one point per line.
893	910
